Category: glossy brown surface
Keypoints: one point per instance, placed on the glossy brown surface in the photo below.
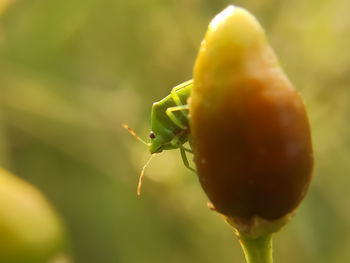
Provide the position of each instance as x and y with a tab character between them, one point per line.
250	130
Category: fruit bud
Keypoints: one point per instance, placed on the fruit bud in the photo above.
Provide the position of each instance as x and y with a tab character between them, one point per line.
249	126
31	231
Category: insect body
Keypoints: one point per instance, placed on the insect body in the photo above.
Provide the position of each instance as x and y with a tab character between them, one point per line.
170	126
169	120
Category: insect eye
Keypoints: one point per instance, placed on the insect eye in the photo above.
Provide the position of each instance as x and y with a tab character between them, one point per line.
152	135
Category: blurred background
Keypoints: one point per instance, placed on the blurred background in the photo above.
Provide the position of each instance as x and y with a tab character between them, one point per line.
72	71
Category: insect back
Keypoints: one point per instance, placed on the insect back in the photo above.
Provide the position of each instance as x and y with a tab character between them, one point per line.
169	119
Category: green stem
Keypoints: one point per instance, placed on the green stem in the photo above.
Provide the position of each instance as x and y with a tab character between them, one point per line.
257	250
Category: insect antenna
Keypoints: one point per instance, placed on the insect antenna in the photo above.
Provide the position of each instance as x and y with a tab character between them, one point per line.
125	126
142	174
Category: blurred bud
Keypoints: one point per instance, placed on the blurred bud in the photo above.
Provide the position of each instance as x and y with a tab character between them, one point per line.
30	230
4	4
249	126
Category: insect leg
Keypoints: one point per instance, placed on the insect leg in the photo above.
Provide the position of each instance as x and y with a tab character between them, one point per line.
190	143
171	115
176	142
187	150
183	85
185	160
176	97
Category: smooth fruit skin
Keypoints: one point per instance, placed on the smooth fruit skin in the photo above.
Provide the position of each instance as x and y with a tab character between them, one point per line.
249	126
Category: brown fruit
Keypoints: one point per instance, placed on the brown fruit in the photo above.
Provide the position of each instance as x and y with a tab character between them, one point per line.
249	126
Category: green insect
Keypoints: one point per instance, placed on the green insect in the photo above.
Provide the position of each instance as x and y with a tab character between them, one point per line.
170	126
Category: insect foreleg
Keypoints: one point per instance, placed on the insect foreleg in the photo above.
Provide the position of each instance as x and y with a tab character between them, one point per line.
185	160
171	115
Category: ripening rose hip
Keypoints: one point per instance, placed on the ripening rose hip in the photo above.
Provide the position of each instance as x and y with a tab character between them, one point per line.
249	126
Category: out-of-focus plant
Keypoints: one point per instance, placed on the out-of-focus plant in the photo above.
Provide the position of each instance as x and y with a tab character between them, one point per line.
30	229
3	5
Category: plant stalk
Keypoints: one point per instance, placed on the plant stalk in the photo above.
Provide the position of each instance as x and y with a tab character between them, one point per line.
257	250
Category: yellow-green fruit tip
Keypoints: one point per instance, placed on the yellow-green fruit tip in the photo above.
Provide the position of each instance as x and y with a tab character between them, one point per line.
236	26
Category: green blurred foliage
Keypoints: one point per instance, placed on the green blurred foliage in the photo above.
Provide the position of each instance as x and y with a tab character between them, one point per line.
72	71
